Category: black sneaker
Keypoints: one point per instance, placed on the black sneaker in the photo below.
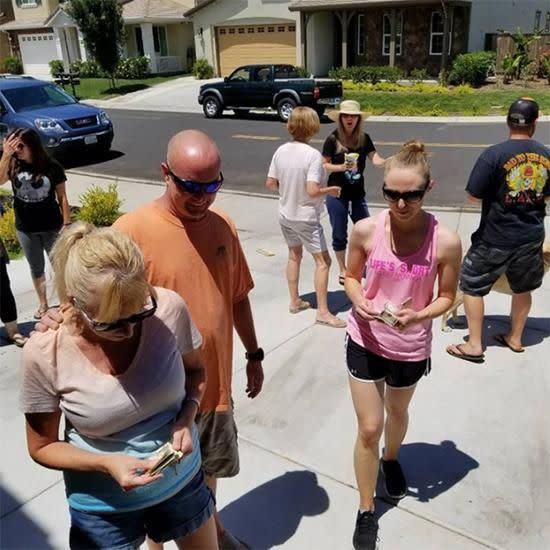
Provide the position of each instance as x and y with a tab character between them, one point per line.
394	479
365	536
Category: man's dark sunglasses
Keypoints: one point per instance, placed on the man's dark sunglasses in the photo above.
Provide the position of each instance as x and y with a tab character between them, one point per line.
99	326
408	196
196	186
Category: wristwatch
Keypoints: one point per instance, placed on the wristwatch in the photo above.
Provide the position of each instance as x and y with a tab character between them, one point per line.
257	355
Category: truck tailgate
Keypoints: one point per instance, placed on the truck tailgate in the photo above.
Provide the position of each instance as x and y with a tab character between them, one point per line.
329	88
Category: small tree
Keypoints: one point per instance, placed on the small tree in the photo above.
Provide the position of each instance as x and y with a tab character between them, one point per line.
102	26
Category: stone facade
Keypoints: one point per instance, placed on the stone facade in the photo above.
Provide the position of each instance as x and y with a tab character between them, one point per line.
415	40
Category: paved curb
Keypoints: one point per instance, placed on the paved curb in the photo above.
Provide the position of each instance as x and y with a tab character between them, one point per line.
461	209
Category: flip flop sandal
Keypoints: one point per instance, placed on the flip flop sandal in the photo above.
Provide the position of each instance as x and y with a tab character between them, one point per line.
466	356
302	307
333	323
501	339
18	339
40	312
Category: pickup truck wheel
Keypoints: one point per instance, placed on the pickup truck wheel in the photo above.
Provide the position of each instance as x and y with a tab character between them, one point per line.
211	107
241	113
285	107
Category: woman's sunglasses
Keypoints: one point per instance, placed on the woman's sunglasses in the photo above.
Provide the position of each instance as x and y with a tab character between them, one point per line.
99	326
408	196
196	186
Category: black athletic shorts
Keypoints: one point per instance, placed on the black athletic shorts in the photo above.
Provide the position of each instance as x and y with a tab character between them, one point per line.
484	264
365	366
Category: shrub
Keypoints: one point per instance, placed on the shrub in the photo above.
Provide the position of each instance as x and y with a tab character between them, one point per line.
464	89
12	65
132	68
545	67
389	74
367	73
100	206
87	69
418	75
472	68
202	69
529	71
422	88
387	87
56	67
302	72
7	231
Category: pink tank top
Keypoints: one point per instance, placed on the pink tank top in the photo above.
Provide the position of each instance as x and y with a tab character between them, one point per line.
395	279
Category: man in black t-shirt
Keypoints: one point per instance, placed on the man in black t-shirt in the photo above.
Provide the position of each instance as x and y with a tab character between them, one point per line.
512	182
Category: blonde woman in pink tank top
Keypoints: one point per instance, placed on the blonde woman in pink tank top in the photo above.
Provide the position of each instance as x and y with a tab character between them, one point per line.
405	250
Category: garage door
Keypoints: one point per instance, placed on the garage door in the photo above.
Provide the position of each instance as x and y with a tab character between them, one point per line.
252	44
36	51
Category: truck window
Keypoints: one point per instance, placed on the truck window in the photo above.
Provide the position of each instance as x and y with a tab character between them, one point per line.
285	71
262	74
242	74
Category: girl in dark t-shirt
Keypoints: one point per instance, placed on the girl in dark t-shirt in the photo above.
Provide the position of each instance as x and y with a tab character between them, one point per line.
40	201
345	152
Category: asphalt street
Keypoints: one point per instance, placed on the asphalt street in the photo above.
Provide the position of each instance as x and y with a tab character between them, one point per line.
248	144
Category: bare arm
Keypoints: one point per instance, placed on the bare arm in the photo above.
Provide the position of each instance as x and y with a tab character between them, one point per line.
376	159
195	386
46	449
272	184
359	245
472	199
244	325
61	194
314	190
330	167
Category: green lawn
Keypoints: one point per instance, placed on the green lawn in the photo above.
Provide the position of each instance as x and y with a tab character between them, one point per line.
100	88
481	102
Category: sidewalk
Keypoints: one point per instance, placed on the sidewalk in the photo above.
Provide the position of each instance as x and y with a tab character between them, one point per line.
476	455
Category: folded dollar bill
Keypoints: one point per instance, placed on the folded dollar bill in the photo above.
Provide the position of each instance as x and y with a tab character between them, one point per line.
166	456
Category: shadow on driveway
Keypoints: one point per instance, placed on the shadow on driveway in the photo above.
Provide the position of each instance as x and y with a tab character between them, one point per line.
430	469
18	530
270	514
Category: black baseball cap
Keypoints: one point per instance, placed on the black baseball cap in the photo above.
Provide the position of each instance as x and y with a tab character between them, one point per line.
523	112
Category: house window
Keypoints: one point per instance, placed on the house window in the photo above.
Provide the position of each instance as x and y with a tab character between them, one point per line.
241	30
436	33
250	30
361	35
232	30
292	28
261	29
28	3
159	39
223	31
270	29
386	33
280	29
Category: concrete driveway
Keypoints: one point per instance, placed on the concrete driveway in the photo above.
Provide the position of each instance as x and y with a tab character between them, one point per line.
179	95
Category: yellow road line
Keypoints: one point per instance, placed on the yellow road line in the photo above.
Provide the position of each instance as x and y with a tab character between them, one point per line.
393	143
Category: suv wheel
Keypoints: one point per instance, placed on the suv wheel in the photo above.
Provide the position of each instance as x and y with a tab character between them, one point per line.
212	107
285	107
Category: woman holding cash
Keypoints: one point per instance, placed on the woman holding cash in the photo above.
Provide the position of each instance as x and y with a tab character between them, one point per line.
125	371
345	152
405	251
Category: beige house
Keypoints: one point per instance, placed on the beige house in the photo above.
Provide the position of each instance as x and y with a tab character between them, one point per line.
41	31
6	15
321	34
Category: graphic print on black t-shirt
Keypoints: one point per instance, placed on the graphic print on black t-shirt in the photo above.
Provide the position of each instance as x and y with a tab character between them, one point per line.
35	204
526	177
29	189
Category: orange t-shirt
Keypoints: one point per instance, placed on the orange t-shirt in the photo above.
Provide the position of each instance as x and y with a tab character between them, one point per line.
204	263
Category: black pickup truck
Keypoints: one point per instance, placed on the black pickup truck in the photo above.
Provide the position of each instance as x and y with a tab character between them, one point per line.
277	87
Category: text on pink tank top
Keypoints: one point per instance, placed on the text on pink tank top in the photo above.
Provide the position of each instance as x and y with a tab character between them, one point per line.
395	279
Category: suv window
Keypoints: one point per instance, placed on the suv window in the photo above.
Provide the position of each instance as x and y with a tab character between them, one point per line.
262	74
37	97
241	75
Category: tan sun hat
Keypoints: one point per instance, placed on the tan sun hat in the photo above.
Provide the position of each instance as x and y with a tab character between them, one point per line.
348	107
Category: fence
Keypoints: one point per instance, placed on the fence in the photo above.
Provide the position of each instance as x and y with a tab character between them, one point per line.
506	46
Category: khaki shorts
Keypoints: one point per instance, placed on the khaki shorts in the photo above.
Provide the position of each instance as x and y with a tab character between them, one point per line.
219	447
308	234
